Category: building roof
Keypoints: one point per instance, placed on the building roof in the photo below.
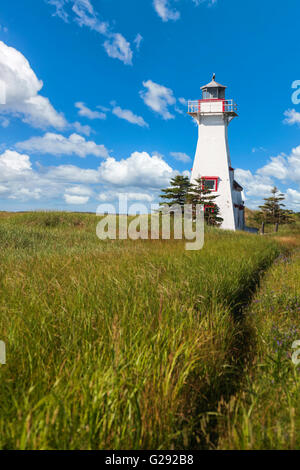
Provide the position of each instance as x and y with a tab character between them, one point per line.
237	186
213	84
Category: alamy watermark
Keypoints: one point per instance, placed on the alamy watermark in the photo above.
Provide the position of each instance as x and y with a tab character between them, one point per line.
134	222
2	353
296	93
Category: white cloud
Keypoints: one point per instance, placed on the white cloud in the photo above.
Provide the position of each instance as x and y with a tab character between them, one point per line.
131	196
57	144
140	177
79	190
283	167
158	154
59	9
276	168
25	194
140	170
72	173
85	130
164	10
17	175
180	156
22	89
83	14
293	199
117	47
209	2
3	189
138	41
4	122
183	101
13	163
292	117
72	199
19	181
258	149
254	185
88	113
129	116
158	98
103	108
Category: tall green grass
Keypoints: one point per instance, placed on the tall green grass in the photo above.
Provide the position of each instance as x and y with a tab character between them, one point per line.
117	344
265	414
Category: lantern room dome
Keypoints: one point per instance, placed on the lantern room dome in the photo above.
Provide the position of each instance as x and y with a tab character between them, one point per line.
213	90
213	84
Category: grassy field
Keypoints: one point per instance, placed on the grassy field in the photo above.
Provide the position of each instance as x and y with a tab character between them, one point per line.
126	344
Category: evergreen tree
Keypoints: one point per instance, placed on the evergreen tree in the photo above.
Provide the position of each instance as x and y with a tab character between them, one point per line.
177	192
272	209
200	194
255	218
287	217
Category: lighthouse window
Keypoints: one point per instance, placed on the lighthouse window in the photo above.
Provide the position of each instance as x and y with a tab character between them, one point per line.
211	184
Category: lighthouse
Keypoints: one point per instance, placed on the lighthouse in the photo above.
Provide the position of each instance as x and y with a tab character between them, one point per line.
212	162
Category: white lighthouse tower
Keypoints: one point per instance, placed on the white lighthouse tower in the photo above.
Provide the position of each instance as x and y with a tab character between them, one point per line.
212	161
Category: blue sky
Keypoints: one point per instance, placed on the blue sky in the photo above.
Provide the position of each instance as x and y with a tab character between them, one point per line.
96	90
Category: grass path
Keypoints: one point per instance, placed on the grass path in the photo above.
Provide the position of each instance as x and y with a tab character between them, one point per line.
265	412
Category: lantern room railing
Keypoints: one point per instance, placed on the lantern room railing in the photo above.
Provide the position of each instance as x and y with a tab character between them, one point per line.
212	106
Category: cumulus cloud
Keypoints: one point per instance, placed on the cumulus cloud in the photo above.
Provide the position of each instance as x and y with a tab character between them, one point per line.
291	117
71	173
18	177
77	195
140	169
129	116
164	10
158	98
83	13
180	156
293	199
131	196
57	144
88	113
21	182
139	177
276	168
22	88
253	184
79	190
13	163
283	167
73	199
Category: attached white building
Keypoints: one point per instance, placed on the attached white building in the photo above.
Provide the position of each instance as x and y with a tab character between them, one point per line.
212	161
